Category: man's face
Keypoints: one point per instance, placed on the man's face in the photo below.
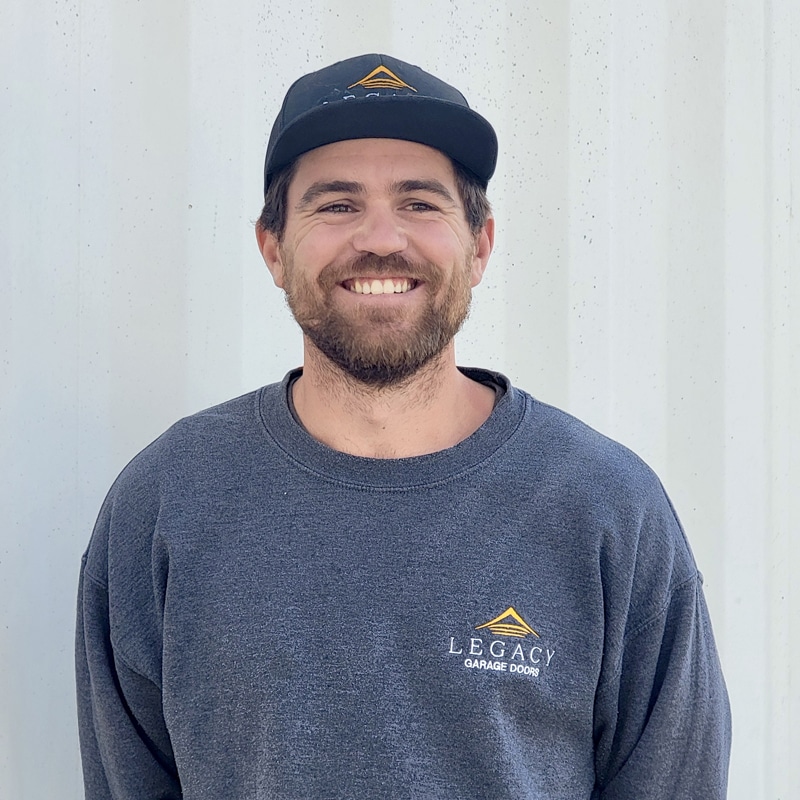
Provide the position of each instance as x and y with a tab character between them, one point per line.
377	260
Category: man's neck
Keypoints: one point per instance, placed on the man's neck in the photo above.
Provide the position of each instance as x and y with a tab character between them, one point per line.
434	409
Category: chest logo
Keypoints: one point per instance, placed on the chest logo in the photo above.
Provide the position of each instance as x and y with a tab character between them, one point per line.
499	647
509	623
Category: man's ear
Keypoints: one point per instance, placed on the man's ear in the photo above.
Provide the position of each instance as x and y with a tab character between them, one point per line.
484	242
270	249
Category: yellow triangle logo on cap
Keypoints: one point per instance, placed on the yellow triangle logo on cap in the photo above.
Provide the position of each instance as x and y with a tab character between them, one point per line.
382	78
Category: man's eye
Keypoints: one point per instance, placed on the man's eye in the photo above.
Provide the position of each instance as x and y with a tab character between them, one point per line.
418	205
337	208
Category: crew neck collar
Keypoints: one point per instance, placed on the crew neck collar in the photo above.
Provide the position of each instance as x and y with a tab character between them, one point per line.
391	473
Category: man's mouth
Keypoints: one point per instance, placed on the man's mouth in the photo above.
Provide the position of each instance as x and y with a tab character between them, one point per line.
380	285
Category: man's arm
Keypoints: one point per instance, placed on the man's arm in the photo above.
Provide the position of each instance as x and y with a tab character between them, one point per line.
662	720
125	746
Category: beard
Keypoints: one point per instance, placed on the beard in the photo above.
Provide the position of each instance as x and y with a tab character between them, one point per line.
380	347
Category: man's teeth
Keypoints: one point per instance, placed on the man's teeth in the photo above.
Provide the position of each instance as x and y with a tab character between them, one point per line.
386	286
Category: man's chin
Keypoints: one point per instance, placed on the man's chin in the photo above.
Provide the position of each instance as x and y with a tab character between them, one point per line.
377	361
379	374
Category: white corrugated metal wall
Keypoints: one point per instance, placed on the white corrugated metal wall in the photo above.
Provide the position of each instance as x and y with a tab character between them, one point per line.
646	279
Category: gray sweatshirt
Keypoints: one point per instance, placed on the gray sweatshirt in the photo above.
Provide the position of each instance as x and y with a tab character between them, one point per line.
518	616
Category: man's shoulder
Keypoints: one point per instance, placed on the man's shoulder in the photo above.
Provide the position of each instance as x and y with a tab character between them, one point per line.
603	486
569	445
215	435
197	459
209	425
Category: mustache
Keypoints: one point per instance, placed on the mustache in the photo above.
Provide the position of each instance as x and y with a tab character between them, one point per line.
369	264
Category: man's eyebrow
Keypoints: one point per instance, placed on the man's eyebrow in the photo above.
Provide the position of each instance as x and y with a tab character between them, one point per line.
433	186
320	188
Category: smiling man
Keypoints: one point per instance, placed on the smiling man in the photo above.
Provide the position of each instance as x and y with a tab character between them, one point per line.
387	576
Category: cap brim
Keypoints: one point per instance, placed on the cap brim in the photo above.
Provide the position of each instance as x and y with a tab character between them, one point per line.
456	130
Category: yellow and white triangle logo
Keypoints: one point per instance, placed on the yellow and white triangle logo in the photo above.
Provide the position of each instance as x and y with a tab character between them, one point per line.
381	78
509	623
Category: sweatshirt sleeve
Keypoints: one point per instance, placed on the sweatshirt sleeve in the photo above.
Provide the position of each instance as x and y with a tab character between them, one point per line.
125	745
662	720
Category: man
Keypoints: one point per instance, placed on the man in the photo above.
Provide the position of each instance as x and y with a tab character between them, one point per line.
387	576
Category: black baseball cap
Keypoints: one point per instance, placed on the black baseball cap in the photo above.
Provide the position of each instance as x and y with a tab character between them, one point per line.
377	96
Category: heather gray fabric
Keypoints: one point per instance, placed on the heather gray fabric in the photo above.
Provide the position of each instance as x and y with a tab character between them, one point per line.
263	617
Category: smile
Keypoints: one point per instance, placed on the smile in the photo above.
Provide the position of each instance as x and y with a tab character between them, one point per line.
380	285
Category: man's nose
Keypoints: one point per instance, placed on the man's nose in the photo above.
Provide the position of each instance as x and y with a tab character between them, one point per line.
380	232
